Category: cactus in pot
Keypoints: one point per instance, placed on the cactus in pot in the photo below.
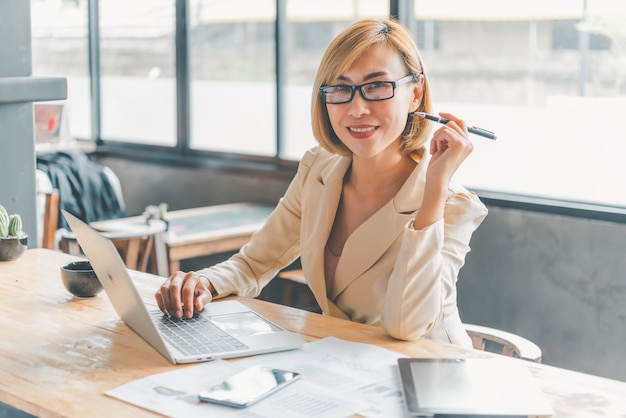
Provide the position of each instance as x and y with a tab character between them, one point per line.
10	225
13	241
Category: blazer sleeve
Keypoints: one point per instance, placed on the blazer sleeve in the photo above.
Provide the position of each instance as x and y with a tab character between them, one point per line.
422	286
273	247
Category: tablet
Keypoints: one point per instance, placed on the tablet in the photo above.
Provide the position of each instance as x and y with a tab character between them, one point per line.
492	387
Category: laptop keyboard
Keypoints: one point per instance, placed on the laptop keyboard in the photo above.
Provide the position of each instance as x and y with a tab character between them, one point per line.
195	335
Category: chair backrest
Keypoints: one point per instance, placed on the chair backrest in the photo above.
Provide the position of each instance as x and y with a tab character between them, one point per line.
142	249
502	342
50	219
48	205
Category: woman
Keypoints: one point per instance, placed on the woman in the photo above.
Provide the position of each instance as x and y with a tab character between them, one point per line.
379	225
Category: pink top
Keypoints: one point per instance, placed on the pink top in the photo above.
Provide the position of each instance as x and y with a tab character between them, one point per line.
330	266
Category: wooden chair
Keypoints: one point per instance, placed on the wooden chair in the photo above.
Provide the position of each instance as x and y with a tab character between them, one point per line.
50	219
48	207
142	248
502	342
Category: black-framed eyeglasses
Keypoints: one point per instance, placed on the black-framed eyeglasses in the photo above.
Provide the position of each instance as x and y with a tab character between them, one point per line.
372	92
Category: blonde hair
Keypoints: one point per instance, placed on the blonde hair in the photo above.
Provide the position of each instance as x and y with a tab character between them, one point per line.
343	52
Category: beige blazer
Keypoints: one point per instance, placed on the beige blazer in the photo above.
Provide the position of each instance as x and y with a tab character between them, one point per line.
388	275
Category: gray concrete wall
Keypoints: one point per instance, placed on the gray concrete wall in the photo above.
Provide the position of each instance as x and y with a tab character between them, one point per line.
17	92
556	280
146	184
17	146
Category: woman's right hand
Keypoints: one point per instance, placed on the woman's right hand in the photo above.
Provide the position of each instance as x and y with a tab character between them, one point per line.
183	293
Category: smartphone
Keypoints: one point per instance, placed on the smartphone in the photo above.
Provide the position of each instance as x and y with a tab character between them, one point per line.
248	386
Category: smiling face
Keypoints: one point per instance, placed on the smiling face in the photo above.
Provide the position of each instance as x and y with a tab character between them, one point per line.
368	128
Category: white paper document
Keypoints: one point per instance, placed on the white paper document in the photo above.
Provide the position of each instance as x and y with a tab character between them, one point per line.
339	379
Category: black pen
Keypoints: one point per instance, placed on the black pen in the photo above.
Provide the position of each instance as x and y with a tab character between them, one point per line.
473	129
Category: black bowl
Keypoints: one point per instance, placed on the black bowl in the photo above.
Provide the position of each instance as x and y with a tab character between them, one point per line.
12	248
80	280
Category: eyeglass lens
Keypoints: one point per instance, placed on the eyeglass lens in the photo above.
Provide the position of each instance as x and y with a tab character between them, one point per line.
374	91
379	90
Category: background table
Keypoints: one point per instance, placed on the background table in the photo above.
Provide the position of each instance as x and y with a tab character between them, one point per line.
202	231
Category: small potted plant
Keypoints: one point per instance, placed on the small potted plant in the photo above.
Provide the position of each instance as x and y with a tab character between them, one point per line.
13	241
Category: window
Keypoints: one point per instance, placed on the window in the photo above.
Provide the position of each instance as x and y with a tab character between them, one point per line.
232	71
60	49
137	67
547	77
557	111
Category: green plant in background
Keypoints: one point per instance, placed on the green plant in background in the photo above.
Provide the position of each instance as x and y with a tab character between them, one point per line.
10	225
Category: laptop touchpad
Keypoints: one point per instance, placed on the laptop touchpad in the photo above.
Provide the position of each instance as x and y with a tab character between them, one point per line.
243	324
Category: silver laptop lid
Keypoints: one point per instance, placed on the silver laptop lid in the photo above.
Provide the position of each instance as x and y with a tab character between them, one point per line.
112	273
130	307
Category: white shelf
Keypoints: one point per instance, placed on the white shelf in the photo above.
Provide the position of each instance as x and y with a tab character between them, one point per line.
32	89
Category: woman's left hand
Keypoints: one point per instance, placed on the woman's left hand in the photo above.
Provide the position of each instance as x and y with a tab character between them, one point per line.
449	147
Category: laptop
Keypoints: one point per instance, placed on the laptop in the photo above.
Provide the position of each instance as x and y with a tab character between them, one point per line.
471	387
224	329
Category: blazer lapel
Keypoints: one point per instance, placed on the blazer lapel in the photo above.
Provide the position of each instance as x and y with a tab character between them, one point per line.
370	240
324	192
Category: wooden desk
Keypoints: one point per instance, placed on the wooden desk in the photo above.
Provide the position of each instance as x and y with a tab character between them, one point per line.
202	231
59	354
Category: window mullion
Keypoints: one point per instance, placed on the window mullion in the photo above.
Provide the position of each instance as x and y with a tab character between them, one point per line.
93	22
183	117
281	72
